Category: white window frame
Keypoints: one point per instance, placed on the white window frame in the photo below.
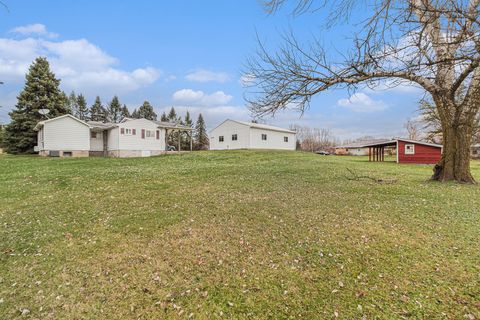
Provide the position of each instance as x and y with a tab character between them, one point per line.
409	148
234	136
128	131
221	138
285	139
149	134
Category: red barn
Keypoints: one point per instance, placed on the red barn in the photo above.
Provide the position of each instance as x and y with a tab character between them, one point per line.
408	151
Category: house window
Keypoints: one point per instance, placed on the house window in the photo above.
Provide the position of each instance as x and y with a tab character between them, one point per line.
150	133
264	137
234	137
128	132
93	135
285	139
220	138
409	149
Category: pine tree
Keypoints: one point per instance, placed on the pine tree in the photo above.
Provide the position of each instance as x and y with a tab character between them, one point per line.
125	113
41	91
72	103
200	134
172	115
164	117
114	110
82	110
2	134
146	111
135	114
97	111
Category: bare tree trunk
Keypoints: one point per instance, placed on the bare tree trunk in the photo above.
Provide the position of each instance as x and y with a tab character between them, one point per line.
455	161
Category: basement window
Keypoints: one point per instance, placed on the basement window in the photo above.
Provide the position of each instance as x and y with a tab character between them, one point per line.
264	137
409	149
234	137
220	138
285	139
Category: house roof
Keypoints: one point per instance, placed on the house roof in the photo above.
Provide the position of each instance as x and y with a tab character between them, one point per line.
101	125
42	123
170	125
257	126
97	125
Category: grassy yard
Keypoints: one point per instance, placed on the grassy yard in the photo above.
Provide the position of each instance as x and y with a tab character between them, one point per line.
238	234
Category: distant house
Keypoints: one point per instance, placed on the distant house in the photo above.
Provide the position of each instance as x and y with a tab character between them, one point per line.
408	151
68	136
352	149
233	134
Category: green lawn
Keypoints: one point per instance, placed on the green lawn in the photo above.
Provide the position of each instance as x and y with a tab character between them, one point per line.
237	234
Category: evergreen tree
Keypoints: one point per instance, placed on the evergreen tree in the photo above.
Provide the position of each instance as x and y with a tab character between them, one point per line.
2	134
72	103
97	111
82	109
146	111
114	110
125	112
164	117
172	115
200	134
41	91
135	114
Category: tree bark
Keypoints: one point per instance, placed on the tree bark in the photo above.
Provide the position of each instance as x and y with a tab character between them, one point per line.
455	162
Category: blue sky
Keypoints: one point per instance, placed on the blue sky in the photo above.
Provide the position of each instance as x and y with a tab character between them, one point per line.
188	54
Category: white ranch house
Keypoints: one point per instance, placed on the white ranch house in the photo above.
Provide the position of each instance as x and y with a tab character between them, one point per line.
68	136
233	134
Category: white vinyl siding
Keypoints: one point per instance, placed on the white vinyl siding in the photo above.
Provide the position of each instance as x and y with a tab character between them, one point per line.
270	139
65	134
135	142
248	137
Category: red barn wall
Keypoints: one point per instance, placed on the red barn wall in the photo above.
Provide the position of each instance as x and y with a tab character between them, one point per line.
423	154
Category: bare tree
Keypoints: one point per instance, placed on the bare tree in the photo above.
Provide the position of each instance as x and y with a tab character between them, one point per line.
314	139
434	44
413	129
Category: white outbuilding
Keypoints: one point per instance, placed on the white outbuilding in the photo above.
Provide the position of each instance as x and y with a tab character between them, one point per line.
233	134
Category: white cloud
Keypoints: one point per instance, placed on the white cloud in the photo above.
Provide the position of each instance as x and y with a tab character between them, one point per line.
203	75
81	65
360	102
189	96
34	29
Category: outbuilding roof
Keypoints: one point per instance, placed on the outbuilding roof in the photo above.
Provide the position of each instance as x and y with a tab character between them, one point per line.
393	142
257	126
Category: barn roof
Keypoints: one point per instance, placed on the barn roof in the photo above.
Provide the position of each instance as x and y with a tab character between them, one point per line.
393	142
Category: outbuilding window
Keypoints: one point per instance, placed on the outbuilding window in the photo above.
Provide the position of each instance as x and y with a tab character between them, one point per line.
409	149
220	138
264	137
285	139
234	137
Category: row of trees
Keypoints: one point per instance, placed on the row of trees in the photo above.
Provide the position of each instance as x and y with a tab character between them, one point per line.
42	91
